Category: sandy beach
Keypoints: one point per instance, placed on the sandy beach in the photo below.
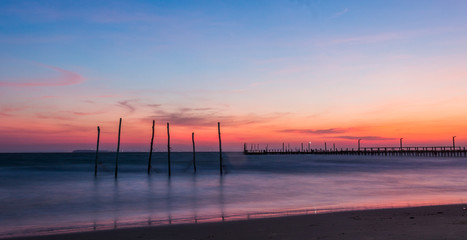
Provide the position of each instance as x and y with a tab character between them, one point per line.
430	222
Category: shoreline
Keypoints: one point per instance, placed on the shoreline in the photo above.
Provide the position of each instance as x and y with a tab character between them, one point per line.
425	222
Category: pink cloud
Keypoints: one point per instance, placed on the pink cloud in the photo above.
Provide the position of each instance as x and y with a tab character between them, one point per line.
65	78
5	112
86	113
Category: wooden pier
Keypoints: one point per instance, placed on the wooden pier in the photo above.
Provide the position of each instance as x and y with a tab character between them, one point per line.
437	151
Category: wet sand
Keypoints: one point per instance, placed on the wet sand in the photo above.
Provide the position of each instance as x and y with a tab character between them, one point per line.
431	222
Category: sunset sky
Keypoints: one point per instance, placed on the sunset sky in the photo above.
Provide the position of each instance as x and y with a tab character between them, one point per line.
270	71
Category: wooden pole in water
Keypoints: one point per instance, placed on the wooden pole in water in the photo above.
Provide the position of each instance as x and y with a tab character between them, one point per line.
118	147
152	144
97	150
220	146
194	157
168	148
453	143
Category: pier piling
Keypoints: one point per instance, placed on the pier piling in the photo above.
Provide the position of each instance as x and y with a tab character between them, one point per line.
194	152
118	147
97	150
168	149
152	144
220	146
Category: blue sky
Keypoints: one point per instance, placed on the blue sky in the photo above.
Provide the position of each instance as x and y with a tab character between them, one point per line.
369	66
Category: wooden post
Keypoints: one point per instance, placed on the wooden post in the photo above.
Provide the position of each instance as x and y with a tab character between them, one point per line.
152	144
453	143
97	150
168	148
220	146
118	147
194	157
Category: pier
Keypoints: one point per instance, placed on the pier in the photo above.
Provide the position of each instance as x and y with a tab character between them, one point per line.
436	151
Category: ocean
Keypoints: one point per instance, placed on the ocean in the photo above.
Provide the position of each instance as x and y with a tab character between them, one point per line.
48	193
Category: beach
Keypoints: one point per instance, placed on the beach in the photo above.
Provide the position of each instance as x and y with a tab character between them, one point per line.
428	222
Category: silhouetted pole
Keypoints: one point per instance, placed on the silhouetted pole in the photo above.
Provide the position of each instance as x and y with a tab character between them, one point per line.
97	150
118	147
220	147
401	143
168	148
325	147
359	144
453	143
283	147
152	144
194	157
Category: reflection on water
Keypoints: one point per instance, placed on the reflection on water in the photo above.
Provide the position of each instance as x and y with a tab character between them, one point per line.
41	193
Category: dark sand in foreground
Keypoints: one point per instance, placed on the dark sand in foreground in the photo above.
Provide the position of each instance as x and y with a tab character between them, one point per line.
432	222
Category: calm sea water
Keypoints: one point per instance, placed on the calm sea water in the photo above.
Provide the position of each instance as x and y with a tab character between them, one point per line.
57	192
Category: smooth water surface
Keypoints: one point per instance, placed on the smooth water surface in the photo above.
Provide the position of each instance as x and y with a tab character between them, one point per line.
57	192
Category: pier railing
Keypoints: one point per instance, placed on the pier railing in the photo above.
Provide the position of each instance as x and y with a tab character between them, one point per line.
432	151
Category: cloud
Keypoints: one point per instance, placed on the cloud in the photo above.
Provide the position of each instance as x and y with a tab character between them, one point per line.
116	13
65	78
204	117
6	111
317	131
373	138
338	14
86	113
369	38
153	105
126	104
56	116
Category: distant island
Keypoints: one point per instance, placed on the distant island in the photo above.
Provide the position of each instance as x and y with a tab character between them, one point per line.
88	151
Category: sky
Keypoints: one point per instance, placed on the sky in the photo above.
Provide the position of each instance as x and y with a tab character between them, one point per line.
292	71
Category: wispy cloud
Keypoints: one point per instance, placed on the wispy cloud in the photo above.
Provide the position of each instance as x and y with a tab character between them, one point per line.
6	111
314	131
204	117
126	104
86	113
54	115
369	38
340	13
65	78
389	36
374	138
